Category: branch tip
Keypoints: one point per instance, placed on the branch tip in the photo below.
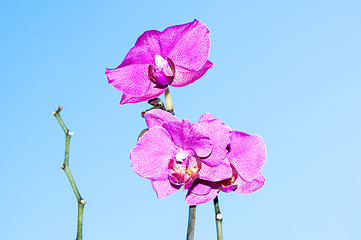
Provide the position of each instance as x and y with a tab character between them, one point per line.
58	110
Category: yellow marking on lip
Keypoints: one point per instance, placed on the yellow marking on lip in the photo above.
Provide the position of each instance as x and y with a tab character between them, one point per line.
192	170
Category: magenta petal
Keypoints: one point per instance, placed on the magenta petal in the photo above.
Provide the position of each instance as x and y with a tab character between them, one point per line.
149	40
201	187
244	187
130	80
187	45
195	198
214	174
138	55
184	77
190	136
220	135
207	117
171	36
163	188
153	92
247	154
157	117
151	156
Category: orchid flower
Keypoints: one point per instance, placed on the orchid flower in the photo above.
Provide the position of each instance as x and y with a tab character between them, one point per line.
176	56
174	153
204	157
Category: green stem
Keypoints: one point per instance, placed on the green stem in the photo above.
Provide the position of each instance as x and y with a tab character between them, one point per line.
191	222
79	234
65	167
219	219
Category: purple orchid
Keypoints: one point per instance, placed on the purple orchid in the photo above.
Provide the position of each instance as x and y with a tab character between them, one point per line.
177	57
204	157
174	153
247	154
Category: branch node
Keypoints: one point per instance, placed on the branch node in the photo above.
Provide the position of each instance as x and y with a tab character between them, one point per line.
82	201
219	216
70	133
62	167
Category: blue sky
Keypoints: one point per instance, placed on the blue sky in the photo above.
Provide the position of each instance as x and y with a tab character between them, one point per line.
286	70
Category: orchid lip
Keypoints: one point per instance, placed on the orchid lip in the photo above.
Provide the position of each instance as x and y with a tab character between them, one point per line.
184	168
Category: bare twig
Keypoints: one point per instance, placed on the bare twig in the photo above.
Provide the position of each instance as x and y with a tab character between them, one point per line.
65	167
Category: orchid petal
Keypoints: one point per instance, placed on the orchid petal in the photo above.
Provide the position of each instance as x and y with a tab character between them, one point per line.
163	188
137	55
244	187
200	187
123	79
184	77
207	117
195	197
247	154
190	136
153	92
187	44
214	174
157	117
151	156
220	135
149	40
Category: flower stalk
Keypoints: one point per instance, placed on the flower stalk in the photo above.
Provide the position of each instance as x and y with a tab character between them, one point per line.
65	167
219	219
191	222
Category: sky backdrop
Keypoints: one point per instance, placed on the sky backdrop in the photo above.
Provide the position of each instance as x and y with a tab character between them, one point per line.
289	71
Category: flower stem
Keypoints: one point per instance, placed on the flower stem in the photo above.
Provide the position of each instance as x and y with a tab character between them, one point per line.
65	167
219	219
168	101
191	222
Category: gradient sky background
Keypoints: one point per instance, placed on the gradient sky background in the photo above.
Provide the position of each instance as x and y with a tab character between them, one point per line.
289	71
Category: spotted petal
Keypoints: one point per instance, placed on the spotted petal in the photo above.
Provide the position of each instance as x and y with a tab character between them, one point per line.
184	76
151	156
153	92
187	44
157	117
244	187
124	79
247	154
221	172
220	135
150	41
196	196
163	188
188	135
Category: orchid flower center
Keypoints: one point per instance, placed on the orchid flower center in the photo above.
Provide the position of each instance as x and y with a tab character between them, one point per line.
162	72
184	168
